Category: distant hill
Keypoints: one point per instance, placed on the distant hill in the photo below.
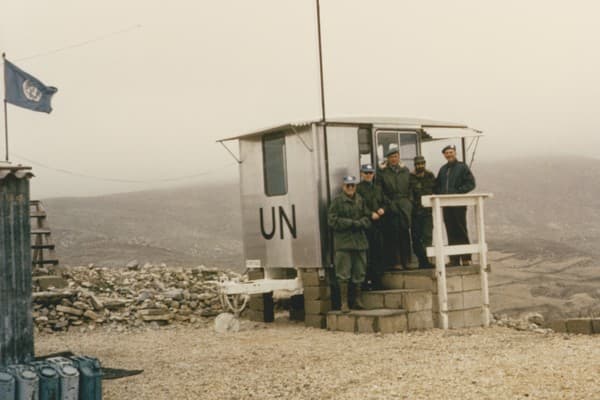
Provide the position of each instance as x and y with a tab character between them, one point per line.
183	226
543	226
545	206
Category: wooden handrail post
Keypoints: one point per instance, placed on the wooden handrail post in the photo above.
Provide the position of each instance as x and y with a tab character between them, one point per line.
440	263
483	264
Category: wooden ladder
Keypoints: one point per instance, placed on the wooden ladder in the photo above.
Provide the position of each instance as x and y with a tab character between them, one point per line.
42	246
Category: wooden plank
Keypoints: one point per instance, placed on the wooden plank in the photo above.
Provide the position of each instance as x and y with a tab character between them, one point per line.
458	249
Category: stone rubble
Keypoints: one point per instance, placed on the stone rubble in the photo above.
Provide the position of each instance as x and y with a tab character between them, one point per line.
124	298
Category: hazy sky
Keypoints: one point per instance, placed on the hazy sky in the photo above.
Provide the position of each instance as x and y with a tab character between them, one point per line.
166	79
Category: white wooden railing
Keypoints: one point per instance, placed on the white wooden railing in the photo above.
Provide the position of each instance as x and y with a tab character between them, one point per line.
440	251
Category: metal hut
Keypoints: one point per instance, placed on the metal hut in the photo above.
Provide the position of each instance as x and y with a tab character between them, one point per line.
288	175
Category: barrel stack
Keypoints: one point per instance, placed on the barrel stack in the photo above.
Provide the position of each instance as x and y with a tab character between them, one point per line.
16	326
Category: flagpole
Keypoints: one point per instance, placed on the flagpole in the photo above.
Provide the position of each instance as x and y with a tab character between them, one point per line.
5	109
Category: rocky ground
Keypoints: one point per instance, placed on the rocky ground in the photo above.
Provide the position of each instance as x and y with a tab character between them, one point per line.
287	360
84	298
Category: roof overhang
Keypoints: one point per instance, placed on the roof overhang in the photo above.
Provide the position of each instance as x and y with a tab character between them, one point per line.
435	130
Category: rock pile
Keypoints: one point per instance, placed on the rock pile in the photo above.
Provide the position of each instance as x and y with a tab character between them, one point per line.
126	297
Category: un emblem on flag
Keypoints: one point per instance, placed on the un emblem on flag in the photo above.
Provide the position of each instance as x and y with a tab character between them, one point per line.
31	91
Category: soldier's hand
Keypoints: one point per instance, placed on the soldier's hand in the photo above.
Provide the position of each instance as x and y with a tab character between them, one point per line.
381	211
374	216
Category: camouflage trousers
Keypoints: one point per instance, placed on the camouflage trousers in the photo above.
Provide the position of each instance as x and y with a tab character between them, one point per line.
350	265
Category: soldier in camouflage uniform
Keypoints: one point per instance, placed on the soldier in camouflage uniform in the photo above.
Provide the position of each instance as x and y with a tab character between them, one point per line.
423	183
373	198
349	218
394	180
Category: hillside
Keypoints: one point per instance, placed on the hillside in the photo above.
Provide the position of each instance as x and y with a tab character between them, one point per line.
184	226
543	226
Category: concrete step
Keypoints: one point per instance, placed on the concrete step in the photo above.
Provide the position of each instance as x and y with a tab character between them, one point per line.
382	320
411	300
426	279
368	321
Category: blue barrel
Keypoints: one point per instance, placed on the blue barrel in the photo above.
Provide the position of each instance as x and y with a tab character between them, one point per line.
90	377
49	387
7	385
27	382
69	377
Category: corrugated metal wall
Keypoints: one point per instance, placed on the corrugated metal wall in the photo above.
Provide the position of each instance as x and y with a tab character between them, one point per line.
16	326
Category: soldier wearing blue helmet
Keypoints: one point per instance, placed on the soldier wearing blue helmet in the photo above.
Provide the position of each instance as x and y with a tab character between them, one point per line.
373	198
349	219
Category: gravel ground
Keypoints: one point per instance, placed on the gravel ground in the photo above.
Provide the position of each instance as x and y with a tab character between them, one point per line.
287	360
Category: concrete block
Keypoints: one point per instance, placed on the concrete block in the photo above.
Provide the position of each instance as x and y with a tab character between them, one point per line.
393	323
315	320
391	280
456	319
419	282
346	323
420	320
332	320
393	300
366	324
256	273
372	300
472	299
557	325
417	301
254	315
455	302
471	282
596	325
317	306
454	284
317	292
473	317
579	325
47	281
313	277
256	302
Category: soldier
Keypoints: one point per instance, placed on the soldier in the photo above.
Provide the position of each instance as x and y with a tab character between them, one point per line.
394	180
423	183
373	198
455	177
349	219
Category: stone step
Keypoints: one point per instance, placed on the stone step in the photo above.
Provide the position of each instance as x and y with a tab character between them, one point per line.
382	320
368	321
457	279
411	300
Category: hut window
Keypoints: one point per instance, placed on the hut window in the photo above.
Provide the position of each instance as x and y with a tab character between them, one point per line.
274	167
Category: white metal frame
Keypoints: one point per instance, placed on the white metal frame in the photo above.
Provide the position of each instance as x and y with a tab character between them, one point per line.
440	251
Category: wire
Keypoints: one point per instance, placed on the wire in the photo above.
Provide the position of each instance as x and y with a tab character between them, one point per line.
119	180
75	45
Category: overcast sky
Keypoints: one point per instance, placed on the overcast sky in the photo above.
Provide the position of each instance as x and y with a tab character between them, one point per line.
158	82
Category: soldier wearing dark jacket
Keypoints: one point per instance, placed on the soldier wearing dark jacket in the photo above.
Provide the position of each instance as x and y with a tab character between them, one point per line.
349	219
423	184
455	177
394	180
373	198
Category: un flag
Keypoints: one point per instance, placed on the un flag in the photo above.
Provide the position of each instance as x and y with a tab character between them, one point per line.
26	91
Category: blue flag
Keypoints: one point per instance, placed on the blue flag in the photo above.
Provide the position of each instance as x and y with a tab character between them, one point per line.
25	91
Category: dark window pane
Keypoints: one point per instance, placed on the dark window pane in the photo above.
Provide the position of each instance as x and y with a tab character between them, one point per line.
274	164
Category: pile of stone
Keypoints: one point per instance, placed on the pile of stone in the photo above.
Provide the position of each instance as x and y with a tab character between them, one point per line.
133	296
532	321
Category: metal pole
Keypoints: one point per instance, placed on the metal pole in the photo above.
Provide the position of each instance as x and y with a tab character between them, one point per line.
5	110
321	62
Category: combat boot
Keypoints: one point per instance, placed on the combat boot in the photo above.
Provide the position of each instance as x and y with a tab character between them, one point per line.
358	304
344	298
